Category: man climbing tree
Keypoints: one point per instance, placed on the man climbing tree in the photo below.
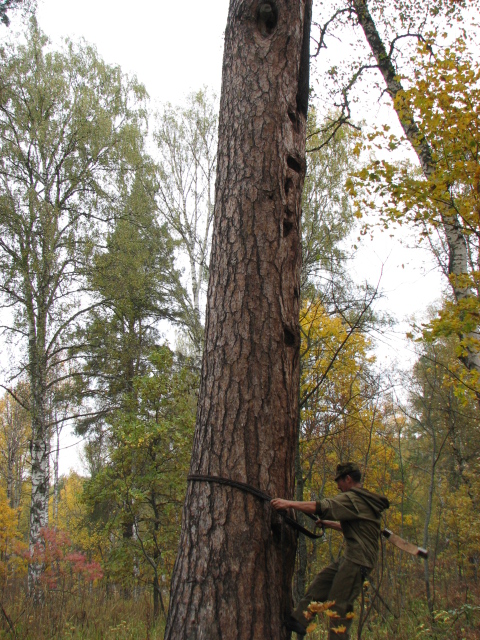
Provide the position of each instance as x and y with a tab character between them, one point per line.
358	512
233	572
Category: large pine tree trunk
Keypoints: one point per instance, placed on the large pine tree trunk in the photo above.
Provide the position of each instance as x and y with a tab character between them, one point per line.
233	572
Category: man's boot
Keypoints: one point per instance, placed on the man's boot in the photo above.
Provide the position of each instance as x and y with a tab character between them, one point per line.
292	624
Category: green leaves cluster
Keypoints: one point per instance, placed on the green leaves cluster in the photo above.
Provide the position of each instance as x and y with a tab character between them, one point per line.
135	285
326	209
445	101
139	492
441	202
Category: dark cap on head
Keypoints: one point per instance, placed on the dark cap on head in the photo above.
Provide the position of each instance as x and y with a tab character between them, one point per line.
346	469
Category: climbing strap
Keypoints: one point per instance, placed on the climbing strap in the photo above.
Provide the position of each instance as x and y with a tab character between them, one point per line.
247	488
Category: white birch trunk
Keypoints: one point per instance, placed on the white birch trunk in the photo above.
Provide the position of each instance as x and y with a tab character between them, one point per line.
39	449
454	236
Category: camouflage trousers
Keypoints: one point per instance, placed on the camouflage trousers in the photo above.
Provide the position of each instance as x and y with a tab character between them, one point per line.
340	582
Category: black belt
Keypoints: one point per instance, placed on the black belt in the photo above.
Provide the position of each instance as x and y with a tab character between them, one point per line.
247	488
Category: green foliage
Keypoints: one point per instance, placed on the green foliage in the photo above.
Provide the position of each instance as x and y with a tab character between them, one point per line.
135	285
64	137
326	211
445	100
140	490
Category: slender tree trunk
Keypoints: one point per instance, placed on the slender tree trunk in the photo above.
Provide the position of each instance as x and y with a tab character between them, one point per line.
196	280
300	582
158	605
39	451
56	465
11	474
428	515
233	573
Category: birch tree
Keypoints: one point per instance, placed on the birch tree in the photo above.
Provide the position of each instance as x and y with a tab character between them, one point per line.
386	39
68	124
186	139
445	99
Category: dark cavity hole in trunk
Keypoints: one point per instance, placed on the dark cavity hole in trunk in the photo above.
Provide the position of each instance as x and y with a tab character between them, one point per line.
267	18
294	164
288	185
293	120
287	227
288	337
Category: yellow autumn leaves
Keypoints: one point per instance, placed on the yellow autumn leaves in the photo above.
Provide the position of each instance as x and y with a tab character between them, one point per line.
315	608
442	198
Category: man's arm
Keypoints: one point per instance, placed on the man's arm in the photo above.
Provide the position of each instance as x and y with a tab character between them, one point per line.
329	524
304	507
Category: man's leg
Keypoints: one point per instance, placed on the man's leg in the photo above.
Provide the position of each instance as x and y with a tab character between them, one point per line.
346	587
318	591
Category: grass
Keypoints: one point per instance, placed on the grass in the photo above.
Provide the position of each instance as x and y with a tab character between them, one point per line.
94	614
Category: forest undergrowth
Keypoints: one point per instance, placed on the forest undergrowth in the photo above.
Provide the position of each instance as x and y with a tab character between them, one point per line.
93	616
99	613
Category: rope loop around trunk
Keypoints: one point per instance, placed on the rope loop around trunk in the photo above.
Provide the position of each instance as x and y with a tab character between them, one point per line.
261	495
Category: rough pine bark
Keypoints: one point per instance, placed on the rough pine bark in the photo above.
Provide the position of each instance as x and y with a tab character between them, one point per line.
233	572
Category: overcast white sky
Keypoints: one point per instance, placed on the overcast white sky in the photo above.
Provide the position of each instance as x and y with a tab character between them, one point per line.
175	48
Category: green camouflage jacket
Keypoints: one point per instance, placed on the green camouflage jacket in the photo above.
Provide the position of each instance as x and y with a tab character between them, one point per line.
359	513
